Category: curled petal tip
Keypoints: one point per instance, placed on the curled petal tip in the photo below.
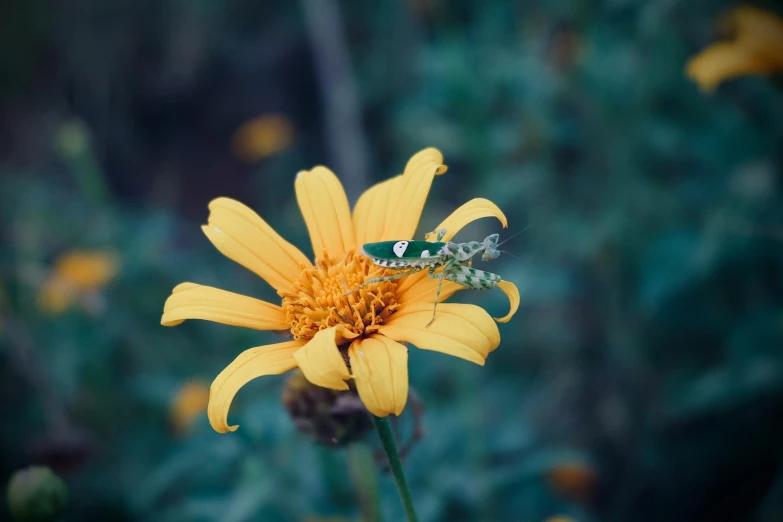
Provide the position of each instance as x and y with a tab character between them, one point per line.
225	429
467	213
512	292
272	359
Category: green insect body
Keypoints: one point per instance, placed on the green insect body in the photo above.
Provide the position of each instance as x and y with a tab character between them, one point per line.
455	258
404	254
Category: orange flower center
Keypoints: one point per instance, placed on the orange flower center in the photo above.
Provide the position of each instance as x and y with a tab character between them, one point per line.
318	299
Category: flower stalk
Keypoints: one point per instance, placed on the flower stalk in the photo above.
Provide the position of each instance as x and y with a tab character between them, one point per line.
395	464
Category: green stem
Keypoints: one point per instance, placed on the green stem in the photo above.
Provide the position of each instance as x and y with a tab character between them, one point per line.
90	178
390	447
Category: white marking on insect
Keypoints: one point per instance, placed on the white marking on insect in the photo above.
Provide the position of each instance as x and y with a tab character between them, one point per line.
399	248
426	253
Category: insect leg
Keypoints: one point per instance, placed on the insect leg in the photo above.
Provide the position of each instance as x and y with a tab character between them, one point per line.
472	278
412	271
431	273
439	234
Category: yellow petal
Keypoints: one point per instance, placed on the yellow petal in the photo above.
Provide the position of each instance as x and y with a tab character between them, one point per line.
421	287
461	330
380	369
325	209
469	212
192	301
241	235
760	31
723	61
402	216
272	359
757	48
512	292
321	361
372	208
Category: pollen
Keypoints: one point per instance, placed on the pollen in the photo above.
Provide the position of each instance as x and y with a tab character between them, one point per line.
318	298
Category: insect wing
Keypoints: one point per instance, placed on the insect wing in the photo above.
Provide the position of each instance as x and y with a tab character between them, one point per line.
402	250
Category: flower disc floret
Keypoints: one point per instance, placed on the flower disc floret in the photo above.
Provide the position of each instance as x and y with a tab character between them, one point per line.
321	297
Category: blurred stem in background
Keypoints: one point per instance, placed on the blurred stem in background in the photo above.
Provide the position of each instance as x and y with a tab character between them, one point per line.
74	144
364	474
390	447
346	141
27	360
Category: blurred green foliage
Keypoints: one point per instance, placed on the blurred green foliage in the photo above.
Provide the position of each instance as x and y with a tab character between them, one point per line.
35	494
646	352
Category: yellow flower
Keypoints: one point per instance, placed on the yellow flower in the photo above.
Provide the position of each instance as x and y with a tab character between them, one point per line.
262	137
190	401
757	48
75	277
339	337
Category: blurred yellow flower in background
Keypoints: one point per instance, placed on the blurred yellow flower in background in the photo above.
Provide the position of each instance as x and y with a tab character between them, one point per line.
262	137
75	278
757	48
188	404
337	337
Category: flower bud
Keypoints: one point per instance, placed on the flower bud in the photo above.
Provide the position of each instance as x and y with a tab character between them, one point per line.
36	494
330	417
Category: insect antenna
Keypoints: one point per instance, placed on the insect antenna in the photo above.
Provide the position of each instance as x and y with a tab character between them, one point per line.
515	257
515	235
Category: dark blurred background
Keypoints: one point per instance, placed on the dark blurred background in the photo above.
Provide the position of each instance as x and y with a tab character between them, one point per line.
641	379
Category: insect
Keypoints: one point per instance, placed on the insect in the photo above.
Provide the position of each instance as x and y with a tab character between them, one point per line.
455	258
